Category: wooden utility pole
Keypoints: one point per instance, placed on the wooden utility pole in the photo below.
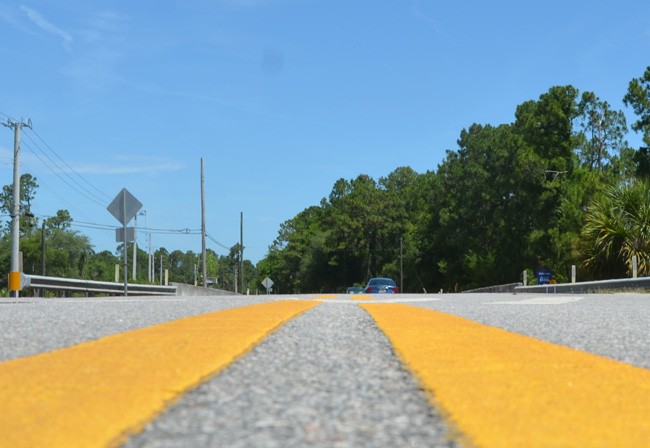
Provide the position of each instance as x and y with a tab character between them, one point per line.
241	253
204	270
41	293
401	265
43	249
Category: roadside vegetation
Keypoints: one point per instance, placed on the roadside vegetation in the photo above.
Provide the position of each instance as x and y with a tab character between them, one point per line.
558	186
70	254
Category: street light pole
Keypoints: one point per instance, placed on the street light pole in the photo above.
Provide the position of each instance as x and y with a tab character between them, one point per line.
14	274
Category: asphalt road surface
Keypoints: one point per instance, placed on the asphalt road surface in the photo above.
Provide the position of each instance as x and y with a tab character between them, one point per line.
326	370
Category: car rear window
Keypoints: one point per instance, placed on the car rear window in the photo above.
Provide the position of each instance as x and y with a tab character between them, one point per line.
382	281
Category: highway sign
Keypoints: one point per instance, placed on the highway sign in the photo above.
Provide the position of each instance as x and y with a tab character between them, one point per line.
268	284
124	207
130	234
544	276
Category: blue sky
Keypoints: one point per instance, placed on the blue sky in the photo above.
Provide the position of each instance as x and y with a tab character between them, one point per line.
279	97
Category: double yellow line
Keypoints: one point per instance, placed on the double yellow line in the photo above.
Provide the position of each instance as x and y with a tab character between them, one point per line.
502	389
98	393
495	388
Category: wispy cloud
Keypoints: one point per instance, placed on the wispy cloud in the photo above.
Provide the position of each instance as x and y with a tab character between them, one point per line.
101	46
246	3
99	43
132	165
418	14
8	16
49	27
241	105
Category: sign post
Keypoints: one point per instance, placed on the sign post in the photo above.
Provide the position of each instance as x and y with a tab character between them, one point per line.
124	207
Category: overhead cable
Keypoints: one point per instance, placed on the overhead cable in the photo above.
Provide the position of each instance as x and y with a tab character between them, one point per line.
86	192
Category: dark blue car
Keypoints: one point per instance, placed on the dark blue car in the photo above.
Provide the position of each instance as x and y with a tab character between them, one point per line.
381	286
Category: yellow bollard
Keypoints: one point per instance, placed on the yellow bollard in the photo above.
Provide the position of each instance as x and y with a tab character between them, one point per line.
14	281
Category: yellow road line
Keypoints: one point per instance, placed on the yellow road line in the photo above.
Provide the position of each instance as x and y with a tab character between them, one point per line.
325	296
97	393
361	297
502	389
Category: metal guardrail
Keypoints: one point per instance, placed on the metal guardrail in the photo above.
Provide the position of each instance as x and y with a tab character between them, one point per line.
589	287
92	286
509	287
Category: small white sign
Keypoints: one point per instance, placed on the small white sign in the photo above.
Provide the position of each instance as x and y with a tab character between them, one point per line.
267	283
119	234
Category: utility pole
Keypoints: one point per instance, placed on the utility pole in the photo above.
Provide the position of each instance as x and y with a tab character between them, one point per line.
134	269
42	291
14	272
43	249
401	266
135	244
204	270
241	252
150	265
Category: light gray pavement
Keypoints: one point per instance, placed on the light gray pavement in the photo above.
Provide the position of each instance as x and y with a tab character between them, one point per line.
30	326
328	377
616	326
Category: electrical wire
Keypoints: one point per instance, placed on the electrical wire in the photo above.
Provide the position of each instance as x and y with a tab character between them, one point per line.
43	184
108	198
81	189
85	193
216	242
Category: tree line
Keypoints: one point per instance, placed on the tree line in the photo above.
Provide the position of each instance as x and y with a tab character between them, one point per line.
559	186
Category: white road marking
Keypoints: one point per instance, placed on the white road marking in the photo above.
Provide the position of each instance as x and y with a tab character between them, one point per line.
412	299
375	299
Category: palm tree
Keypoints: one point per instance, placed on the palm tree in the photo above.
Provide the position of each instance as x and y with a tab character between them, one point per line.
617	227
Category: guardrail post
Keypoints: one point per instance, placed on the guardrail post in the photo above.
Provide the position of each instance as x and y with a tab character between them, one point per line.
117	273
634	267
525	278
166	277
573	273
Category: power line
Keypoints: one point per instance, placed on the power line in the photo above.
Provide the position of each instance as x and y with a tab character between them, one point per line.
86	192
108	198
102	199
54	193
111	228
216	242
